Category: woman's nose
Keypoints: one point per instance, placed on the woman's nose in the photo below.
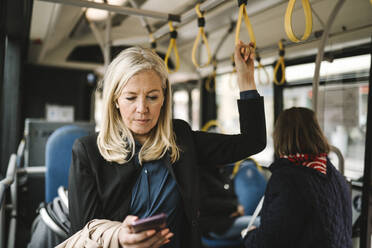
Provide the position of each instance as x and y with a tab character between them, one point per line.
142	106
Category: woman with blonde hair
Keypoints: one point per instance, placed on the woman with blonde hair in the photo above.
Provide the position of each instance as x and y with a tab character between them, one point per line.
143	163
307	201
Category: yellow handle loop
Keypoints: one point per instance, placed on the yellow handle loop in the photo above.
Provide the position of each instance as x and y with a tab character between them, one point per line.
243	12
212	78
280	63
288	21
201	33
237	166
260	68
212	123
172	44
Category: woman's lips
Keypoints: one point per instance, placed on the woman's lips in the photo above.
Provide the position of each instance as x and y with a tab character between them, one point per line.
142	121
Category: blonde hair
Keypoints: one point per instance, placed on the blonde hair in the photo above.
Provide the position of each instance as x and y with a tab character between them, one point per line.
115	140
297	131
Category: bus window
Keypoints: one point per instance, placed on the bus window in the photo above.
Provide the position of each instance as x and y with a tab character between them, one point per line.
227	92
181	105
343	99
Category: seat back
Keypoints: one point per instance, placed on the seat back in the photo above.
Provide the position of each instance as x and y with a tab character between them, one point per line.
58	158
250	185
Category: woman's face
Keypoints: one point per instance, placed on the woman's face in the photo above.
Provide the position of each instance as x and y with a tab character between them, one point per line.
140	103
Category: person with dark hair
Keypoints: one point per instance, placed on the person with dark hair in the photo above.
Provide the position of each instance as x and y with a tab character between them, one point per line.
307	201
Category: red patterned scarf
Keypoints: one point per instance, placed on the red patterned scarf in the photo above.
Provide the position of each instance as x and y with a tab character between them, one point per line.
317	162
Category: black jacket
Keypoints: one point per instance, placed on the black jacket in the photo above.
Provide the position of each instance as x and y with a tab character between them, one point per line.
217	201
100	189
304	208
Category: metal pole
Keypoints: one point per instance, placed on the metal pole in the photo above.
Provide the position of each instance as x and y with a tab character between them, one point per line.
113	8
320	54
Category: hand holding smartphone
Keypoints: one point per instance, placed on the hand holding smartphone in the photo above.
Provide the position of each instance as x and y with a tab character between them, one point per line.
156	222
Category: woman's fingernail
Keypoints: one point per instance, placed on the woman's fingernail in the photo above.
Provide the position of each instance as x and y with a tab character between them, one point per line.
151	232
169	235
165	231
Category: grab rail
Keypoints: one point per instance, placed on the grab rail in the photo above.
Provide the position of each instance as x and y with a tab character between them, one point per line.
4	185
9	179
341	160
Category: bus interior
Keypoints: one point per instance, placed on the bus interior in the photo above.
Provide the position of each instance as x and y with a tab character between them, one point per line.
54	54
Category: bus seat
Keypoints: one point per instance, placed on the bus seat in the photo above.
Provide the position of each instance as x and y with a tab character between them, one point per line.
58	158
250	185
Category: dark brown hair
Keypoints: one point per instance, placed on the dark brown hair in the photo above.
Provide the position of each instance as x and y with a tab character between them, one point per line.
297	131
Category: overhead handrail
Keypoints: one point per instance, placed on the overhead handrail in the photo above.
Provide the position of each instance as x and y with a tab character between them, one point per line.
117	9
189	16
341	160
288	21
243	14
201	33
172	45
280	63
320	54
260	68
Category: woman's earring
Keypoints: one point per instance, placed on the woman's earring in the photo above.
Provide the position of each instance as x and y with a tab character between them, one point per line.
116	105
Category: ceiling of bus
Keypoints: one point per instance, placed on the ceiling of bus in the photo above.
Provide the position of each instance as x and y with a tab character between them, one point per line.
56	29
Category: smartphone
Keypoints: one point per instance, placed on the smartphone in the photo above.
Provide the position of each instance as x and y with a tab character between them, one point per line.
156	222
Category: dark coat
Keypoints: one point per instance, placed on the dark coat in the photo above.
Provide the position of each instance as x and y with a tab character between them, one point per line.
304	208
100	189
217	201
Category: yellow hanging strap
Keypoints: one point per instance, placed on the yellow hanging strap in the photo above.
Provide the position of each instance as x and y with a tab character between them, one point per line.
243	13
280	63
260	68
201	33
212	123
237	166
288	20
172	44
212	78
152	43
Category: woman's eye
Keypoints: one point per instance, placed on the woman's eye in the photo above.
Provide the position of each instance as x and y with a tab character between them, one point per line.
153	97
131	98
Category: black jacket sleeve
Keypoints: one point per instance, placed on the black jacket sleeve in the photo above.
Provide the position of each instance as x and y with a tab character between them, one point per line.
282	214
84	204
216	148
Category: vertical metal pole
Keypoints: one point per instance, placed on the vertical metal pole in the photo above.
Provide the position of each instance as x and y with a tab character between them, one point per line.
366	218
278	96
190	103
